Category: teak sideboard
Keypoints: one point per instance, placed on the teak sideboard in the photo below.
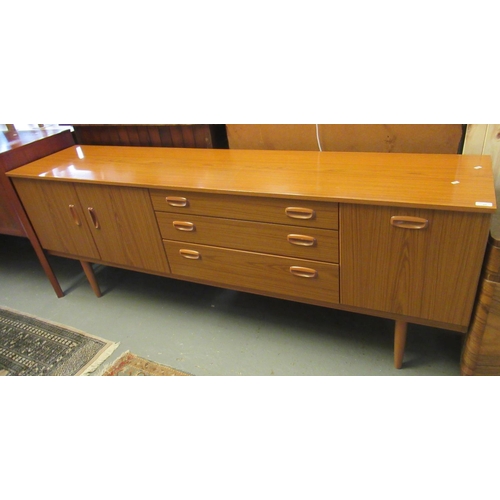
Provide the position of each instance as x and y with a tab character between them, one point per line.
401	236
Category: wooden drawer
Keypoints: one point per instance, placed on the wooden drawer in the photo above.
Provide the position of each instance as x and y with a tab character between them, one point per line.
303	243
255	271
277	210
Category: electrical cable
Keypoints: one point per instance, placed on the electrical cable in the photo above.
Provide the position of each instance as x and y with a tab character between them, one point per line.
317	137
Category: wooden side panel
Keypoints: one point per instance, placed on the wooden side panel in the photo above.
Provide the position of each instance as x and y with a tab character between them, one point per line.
260	272
292	241
128	233
430	273
55	214
9	221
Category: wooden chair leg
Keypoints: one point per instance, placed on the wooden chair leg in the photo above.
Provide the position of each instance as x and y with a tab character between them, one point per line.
399	343
89	272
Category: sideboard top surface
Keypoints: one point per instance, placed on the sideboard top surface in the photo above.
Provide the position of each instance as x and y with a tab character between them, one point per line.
441	181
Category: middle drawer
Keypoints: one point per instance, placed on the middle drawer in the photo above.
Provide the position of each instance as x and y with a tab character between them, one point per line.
291	241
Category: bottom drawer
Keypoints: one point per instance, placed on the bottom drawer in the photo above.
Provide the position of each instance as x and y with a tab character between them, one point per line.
260	272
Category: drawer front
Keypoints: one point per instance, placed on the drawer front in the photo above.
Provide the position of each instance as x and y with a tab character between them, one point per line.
303	243
255	271
276	210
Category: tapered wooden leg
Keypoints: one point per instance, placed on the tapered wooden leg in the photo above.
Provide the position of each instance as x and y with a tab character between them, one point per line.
399	343
48	271
89	272
30	233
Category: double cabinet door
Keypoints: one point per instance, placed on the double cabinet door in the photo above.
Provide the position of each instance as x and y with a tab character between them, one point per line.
112	224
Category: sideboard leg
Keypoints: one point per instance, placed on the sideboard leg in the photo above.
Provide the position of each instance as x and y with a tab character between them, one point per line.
48	270
399	343
89	272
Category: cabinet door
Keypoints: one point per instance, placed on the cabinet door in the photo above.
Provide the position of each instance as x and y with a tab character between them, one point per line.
123	225
427	272
55	213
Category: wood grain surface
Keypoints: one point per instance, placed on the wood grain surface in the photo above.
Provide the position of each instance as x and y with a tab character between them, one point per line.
451	182
430	273
271	274
254	236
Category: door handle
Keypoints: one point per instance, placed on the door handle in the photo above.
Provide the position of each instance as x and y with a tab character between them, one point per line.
408	222
76	219
93	216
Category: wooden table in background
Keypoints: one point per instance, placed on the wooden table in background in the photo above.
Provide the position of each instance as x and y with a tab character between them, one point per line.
19	148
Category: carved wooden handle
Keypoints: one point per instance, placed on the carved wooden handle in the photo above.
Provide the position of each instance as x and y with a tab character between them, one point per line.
408	222
76	219
301	240
93	216
299	213
176	201
303	272
190	254
183	225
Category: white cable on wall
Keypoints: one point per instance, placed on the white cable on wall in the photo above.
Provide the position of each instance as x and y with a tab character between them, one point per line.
317	137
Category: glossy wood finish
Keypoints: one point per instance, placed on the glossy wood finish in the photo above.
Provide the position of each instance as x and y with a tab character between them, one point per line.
429	273
449	182
255	271
291	241
276	210
126	232
48	206
126	235
412	228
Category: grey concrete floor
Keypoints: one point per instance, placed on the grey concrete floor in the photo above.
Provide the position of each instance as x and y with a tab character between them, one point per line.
212	331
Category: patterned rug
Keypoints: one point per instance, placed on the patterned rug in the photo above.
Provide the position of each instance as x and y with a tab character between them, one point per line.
32	346
129	364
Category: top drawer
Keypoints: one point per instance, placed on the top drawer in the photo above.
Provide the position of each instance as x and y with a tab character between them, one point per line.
278	210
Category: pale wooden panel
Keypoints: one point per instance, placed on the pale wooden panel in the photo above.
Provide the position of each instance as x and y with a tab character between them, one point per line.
128	233
253	236
430	273
48	207
260	272
399	138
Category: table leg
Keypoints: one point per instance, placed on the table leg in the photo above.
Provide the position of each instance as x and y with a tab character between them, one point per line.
399	342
